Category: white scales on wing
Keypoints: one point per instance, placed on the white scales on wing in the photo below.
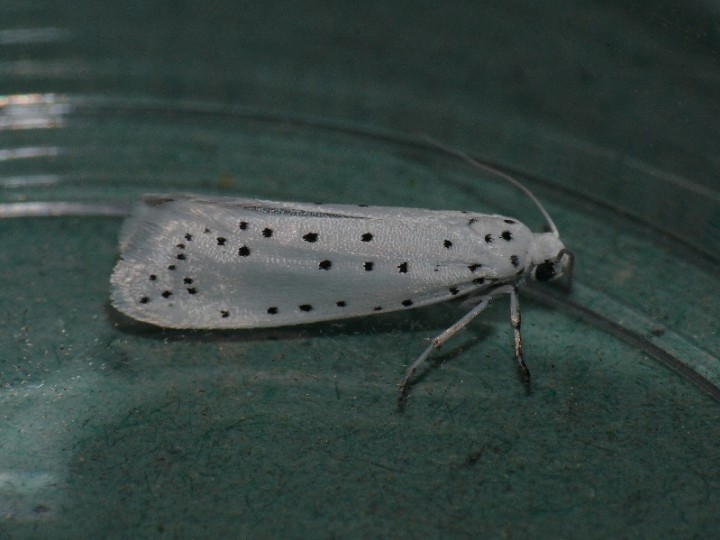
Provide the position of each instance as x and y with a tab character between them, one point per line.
192	262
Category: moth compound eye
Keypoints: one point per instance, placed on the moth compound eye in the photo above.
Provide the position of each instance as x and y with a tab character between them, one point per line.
545	271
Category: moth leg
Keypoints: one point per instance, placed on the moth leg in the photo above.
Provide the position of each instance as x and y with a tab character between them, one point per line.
515	322
437	342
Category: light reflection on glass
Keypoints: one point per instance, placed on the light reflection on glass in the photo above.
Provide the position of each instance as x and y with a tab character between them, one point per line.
33	111
14	182
6	154
19	491
56	209
24	36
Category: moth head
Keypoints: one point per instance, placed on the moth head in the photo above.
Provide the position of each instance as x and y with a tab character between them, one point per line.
550	259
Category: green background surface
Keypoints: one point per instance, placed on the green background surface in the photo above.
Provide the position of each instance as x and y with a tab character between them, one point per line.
609	113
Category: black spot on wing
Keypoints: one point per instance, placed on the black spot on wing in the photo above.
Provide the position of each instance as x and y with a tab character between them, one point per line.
310	237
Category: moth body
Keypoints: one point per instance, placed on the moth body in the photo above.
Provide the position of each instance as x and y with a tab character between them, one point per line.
211	262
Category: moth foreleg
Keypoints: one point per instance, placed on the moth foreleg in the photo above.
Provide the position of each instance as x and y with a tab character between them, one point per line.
438	341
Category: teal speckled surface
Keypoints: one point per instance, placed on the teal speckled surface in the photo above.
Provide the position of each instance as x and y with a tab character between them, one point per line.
109	428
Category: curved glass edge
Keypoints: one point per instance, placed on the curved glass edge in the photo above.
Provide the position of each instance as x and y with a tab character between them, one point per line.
579	168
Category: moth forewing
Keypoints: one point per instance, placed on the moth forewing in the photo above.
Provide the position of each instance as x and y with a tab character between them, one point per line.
237	263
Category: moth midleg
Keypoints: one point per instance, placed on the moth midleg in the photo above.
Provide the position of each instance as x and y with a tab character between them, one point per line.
438	341
515	322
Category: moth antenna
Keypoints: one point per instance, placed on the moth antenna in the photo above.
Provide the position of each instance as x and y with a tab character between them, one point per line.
497	172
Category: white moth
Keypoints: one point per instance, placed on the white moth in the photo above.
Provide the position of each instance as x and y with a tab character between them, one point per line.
212	262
